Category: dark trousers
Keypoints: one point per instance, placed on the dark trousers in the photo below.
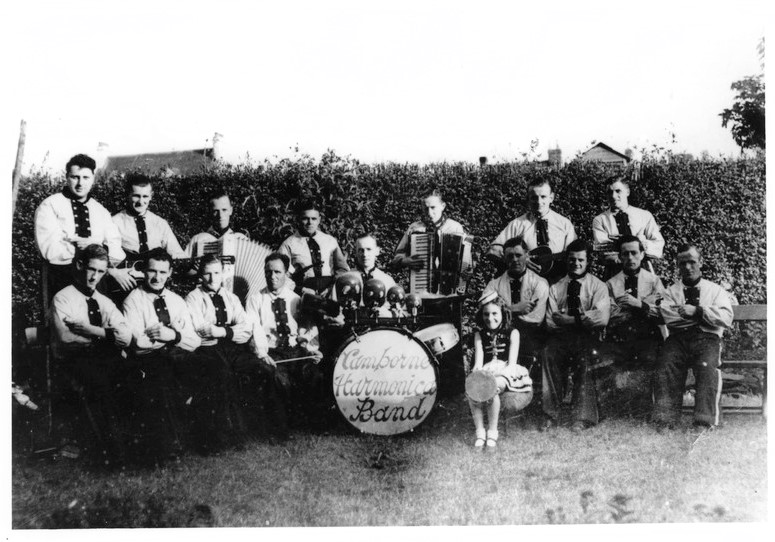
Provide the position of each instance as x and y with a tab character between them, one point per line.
167	401
242	393
684	349
570	353
300	386
626	386
86	385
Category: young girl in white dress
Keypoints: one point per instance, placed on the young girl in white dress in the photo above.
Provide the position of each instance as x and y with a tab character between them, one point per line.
496	347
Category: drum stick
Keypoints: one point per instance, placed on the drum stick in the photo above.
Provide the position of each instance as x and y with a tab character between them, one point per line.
294	359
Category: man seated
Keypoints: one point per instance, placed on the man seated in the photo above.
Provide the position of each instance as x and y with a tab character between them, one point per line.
539	227
525	294
696	311
633	338
280	334
315	256
165	372
366	253
88	334
578	311
224	328
622	219
70	221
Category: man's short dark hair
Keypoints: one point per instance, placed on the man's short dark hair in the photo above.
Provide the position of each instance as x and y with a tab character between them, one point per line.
629	239
306	204
158	254
518	241
686	247
93	252
433	192
81	161
625	180
218	194
278	256
540	182
207	259
579	245
137	179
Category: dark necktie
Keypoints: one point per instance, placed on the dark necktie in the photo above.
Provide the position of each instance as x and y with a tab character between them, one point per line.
95	316
142	234
623	223
281	321
317	258
692	293
81	216
220	310
631	284
574	298
542	232
516	287
161	310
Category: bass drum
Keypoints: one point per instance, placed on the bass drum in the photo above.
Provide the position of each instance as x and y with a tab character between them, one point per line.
385	381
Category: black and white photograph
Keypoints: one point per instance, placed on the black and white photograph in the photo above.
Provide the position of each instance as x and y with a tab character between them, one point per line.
339	264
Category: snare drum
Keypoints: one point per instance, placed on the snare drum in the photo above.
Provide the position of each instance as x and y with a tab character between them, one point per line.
385	381
439	338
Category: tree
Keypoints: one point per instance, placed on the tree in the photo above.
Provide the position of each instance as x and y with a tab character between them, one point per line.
747	113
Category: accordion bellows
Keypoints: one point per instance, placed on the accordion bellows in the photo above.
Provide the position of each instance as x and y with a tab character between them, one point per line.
243	264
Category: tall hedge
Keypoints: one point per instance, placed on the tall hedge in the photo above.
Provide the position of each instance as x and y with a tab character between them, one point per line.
718	204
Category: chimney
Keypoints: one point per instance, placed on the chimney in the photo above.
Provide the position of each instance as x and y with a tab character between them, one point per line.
482	160
555	157
101	156
217	149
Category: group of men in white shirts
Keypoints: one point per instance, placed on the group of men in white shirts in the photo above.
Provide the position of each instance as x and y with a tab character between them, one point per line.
181	358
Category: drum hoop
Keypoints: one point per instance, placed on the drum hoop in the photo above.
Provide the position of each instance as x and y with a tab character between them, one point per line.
403	331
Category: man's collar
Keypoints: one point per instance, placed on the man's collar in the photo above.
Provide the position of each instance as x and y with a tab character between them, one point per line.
514	275
435	225
615	210
147	288
577	277
306	235
691	283
83	289
218	234
69	195
131	212
210	292
629	273
534	216
364	271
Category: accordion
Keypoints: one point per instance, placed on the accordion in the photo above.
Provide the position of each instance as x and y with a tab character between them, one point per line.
243	263
447	263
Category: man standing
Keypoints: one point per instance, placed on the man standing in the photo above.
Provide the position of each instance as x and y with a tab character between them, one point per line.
165	372
525	294
141	230
622	219
578	311
70	221
316	258
88	334
220	224
225	330
633	337
279	334
539	227
696	312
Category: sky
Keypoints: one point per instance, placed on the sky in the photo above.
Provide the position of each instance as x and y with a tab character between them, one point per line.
389	81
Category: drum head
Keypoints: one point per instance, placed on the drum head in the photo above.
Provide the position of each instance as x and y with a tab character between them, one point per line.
385	381
439	338
481	386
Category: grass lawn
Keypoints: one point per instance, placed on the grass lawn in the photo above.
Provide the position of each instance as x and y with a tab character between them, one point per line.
620	471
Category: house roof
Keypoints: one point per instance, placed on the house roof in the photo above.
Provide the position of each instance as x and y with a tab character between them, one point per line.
607	148
173	163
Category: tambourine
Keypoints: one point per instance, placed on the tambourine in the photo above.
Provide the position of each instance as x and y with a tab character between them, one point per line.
481	386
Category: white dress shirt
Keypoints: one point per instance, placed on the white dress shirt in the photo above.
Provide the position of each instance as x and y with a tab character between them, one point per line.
715	305
141	314
593	296
561	233
261	316
642	223
158	231
55	226
202	310
532	288
296	247
650	288
70	304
